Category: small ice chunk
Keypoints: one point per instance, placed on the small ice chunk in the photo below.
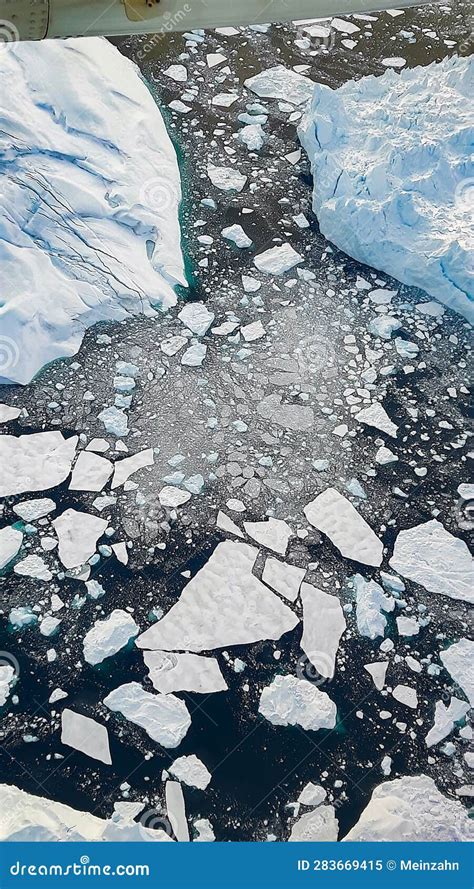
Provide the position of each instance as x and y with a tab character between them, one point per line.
377	671
191	771
172	498
227	179
78	533
123	469
194	356
237	235
312	795
318	826
91	472
406	695
445	720
32	510
33	566
273	534
278	260
377	416
197	318
458	660
285	579
109	636
323	625
170	672
10	543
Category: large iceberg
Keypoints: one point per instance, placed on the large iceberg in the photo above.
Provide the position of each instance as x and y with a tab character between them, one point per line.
89	199
393	175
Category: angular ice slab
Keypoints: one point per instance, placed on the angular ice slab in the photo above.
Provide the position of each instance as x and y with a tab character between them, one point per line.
411	809
89	198
223	605
391	158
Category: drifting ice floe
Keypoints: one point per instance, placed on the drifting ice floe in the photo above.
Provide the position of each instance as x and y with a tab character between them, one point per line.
458	660
7	679
171	672
323	626
177	811
109	636
281	83
27	818
78	533
86	735
445	719
390	160
336	517
285	579
319	826
10	543
292	701
223	605
191	771
34	462
411	810
371	601
96	185
432	557
164	717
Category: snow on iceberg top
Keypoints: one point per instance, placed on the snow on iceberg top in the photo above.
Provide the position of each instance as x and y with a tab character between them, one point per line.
89	198
393	171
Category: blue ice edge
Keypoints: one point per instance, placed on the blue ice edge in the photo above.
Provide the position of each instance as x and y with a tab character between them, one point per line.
236	865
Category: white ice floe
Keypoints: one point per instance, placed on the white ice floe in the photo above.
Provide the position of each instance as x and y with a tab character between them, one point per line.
205	832
377	416
292	701
411	809
7	679
285	579
32	510
237	235
86	735
371	602
173	497
434	558
274	534
312	795
318	826
226	524
75	133
170	672
177	811
7	413
191	771
165	718
389	186
33	566
281	83
10	543
407	626
28	818
404	694
223	605
197	318
123	469
278	260
253	136
253	332
378	671
445	720
458	660
195	355
227	179
91	472
78	533
323	626
109	636
336	517
115	421
34	462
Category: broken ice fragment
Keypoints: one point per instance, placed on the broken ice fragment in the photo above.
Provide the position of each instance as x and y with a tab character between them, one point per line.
173	498
165	718
78	533
371	602
431	556
10	543
336	517
323	625
278	260
285	579
376	416
223	605
319	826
197	318
123	469
458	660
227	179
291	701
34	462
170	672
91	472
191	771
86	735
281	83
274	534
109	636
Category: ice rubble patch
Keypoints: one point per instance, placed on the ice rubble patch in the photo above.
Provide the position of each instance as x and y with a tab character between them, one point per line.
89	198
393	175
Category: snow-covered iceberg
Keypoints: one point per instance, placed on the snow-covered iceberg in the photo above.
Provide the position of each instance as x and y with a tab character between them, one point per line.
89	198
393	175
